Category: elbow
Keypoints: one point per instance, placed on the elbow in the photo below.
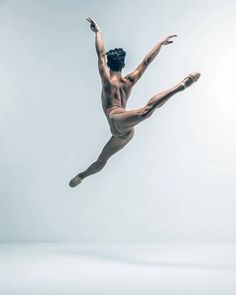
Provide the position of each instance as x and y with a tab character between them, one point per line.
147	61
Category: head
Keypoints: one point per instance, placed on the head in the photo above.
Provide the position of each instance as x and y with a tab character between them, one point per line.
116	59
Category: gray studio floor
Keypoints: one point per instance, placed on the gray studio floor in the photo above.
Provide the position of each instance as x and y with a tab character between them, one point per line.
100	269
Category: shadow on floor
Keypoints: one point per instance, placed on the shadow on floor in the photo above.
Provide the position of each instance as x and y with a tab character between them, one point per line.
138	258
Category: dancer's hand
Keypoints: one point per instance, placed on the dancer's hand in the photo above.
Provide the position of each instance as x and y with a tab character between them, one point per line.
93	25
167	40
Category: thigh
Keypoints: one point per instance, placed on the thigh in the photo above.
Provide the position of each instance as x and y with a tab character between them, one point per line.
115	144
129	119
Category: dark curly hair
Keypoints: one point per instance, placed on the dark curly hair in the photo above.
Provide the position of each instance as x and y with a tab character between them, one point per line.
116	59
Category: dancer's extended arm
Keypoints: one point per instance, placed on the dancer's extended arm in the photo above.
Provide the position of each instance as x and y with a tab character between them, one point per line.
138	72
100	48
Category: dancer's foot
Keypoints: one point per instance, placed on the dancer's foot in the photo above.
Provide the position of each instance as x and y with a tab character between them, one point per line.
188	81
75	181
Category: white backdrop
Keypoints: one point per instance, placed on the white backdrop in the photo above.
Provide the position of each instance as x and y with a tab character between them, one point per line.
175	181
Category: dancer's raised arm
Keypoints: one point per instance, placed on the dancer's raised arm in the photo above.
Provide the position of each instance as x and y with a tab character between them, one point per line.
138	72
100	49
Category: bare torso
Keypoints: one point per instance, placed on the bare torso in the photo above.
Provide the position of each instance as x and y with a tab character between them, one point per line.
114	99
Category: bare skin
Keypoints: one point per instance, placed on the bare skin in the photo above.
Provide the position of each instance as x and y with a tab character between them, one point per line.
116	90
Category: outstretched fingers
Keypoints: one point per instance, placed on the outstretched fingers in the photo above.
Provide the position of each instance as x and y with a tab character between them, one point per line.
92	22
93	25
89	19
167	40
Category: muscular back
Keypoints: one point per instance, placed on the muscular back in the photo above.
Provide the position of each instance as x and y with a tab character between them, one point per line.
115	93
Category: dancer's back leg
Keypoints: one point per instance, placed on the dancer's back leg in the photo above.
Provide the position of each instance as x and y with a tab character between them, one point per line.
114	145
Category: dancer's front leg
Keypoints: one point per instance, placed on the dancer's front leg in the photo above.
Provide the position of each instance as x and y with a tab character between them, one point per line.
159	99
129	119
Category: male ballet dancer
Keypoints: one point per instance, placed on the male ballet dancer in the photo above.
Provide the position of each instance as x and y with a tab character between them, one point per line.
116	90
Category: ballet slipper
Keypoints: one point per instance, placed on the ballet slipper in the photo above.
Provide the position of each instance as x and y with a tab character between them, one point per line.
190	79
75	181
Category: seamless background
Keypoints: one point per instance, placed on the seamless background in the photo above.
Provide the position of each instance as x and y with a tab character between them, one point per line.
175	181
